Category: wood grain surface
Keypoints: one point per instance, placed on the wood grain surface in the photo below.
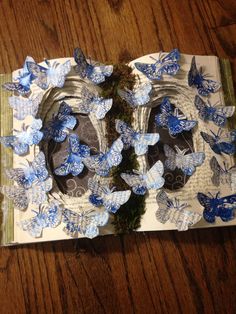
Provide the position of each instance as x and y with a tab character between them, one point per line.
158	272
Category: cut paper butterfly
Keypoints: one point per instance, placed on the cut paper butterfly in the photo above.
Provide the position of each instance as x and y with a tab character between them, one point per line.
171	119
102	163
22	140
216	206
23	80
166	64
48	216
223	175
74	161
36	171
139	96
58	128
53	75
95	73
217	114
221	144
92	103
102	195
84	223
179	159
130	138
142	182
21	197
25	106
175	212
197	79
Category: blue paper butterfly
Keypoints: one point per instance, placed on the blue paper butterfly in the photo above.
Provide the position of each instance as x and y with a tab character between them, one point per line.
140	141
102	195
54	75
197	79
187	163
137	97
216	206
47	217
74	162
218	144
166	64
84	223
103	162
24	80
92	103
224	175
29	135
217	114
57	128
96	74
25	106
142	182
21	197
175	212
169	118
35	172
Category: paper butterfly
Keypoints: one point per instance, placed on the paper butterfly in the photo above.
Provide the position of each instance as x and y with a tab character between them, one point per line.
25	106
139	141
85	223
91	103
220	144
187	163
103	162
137	97
103	195
223	175
36	171
171	119
54	75
197	79
96	74
36	194
142	182
166	64
173	211
57	128
24	80
214	206
47	217
20	142
74	162
216	114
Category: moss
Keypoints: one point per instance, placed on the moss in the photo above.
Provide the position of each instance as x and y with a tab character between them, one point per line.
128	217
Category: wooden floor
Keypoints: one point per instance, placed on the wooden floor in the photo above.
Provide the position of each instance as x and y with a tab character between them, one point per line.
158	272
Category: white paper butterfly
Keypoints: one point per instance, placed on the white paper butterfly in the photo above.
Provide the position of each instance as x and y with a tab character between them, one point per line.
25	106
223	175
173	211
142	182
139	96
178	159
102	195
21	197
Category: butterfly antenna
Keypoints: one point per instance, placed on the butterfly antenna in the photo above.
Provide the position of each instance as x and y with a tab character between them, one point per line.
153	58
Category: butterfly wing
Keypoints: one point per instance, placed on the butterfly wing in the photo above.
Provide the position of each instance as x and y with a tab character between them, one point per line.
202	108
143	141
114	200
101	106
191	161
217	171
193	72
53	214
126	132
37	194
170	162
92	221
210	210
164	207
17	87
57	74
180	125
166	111
17	195
114	156
184	219
98	74
135	181
168	64
19	176
20	148
154	179
40	74
82	64
34	226
208	86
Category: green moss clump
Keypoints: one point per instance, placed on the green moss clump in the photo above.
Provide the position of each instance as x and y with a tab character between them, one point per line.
128	217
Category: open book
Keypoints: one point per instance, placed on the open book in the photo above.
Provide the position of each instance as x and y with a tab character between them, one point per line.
172	134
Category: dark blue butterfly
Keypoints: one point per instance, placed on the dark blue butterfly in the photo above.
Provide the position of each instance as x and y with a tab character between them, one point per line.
74	162
96	74
57	128
171	119
216	206
166	64
197	79
23	81
220	144
217	114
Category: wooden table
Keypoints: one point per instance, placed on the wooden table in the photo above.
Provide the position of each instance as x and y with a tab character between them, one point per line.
156	272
